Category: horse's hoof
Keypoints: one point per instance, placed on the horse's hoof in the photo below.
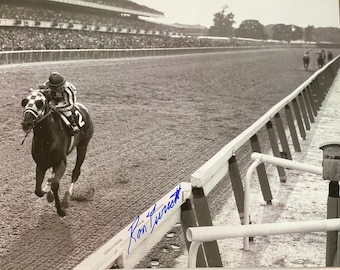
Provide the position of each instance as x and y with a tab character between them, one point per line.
50	197
39	193
61	212
64	203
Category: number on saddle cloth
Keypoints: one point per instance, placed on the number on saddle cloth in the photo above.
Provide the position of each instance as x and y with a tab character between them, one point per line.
78	116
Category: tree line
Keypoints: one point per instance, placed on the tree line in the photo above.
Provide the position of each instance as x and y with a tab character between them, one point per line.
223	27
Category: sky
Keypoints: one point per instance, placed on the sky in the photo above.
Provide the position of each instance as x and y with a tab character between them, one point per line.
319	13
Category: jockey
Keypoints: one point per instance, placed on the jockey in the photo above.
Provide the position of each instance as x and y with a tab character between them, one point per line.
62	95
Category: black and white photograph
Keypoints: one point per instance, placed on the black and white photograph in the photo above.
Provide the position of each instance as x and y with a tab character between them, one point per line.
169	134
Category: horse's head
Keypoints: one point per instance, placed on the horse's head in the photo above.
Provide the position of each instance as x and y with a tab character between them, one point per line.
34	106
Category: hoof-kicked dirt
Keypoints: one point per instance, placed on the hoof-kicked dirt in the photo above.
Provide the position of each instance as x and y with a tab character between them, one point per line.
157	120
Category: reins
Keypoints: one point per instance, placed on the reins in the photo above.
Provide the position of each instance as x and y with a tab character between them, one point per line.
26	136
34	124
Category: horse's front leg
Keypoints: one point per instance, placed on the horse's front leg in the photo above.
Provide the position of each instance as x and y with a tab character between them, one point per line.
58	173
39	178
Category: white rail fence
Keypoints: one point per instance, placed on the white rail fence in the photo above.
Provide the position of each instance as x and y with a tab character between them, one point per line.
208	175
186	203
199	235
305	101
17	57
329	171
130	245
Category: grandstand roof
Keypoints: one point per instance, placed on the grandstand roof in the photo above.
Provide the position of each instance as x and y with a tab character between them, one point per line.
122	6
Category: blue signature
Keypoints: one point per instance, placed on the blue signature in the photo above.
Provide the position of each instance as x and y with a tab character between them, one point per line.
137	230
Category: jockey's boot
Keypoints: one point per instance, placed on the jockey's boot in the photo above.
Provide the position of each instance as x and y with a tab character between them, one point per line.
74	127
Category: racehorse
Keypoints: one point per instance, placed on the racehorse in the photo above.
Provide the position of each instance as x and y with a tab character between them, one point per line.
52	142
306	61
329	56
321	59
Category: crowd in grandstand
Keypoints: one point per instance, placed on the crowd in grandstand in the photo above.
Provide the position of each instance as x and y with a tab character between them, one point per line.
22	38
27	37
33	39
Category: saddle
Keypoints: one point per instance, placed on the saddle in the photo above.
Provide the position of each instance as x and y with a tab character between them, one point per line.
77	115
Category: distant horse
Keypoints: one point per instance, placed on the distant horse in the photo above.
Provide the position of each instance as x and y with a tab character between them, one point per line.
306	60
329	56
52	142
321	59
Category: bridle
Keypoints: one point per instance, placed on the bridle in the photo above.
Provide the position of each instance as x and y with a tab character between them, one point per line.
36	120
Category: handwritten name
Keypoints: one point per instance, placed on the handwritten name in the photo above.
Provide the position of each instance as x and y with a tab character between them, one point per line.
154	217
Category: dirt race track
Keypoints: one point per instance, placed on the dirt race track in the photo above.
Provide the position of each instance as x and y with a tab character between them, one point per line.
156	121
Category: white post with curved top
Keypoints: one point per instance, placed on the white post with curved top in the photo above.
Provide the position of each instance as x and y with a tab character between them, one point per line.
262	158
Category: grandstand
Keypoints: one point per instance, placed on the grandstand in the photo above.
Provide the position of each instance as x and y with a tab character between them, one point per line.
74	24
98	24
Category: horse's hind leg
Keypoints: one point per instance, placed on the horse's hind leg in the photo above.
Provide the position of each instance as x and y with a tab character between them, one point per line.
81	153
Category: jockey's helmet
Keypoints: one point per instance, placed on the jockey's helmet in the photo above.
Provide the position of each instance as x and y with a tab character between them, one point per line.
56	80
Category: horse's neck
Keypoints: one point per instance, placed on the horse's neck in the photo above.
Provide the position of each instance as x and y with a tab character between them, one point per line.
47	127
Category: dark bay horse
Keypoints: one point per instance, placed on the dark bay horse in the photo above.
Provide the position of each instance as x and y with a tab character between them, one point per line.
321	59
306	60
52	142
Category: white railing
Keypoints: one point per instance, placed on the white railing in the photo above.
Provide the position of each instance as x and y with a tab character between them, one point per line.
211	173
130	245
198	235
29	56
307	98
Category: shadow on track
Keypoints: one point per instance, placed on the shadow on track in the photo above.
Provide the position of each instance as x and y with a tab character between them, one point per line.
43	254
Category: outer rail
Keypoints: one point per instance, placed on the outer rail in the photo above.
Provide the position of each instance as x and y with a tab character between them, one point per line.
118	251
198	235
210	173
131	244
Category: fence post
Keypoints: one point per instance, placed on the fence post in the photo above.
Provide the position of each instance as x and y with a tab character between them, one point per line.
188	220
204	219
299	119
328	79
291	126
275	148
304	111
261	172
321	87
336	64
236	183
316	94
308	105
282	136
312	100
332	212
331	171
